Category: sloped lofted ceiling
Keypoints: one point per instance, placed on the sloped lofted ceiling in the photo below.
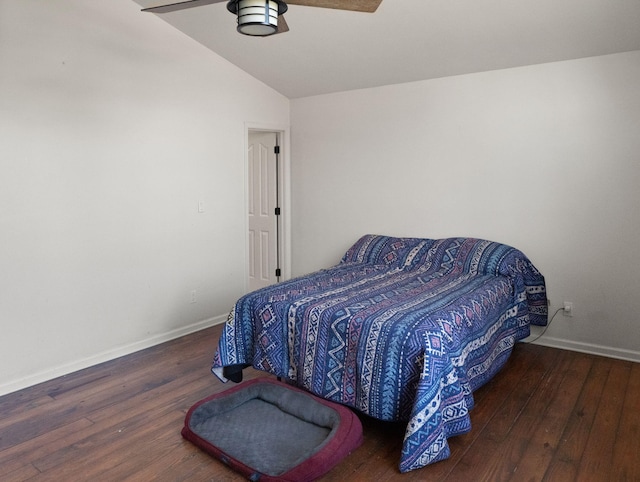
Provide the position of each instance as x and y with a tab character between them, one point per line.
407	40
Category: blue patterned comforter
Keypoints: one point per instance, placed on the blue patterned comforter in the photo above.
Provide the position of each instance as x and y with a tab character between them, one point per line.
402	329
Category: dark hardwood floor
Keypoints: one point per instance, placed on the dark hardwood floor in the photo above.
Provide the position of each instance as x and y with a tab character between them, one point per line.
548	415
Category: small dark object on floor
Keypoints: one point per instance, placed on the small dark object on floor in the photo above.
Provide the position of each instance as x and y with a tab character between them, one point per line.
270	431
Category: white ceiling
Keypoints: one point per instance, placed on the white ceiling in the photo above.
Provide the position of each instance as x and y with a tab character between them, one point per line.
406	40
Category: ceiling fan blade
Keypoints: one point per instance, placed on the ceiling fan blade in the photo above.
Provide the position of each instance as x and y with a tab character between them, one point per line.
282	25
354	5
172	7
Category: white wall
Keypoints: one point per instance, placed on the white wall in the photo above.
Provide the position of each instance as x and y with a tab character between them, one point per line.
545	158
113	126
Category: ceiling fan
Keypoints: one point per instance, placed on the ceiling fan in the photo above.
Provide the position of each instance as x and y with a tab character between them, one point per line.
260	18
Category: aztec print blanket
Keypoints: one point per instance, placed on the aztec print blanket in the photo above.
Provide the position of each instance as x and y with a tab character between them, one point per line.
402	329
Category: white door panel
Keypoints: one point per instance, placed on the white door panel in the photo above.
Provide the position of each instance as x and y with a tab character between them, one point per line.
262	203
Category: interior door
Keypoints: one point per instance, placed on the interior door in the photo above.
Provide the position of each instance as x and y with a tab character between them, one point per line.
263	169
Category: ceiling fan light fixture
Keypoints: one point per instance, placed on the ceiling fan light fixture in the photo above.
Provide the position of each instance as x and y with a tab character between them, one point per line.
257	18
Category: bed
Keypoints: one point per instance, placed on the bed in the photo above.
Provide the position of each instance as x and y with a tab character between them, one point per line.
401	329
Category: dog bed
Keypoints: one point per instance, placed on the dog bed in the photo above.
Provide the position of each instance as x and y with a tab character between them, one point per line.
270	431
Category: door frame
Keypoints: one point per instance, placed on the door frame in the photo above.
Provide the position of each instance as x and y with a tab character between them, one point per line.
284	197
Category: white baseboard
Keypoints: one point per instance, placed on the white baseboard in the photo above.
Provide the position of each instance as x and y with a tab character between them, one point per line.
107	355
589	348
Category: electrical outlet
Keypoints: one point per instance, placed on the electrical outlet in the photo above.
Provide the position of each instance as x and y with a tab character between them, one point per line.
194	296
568	308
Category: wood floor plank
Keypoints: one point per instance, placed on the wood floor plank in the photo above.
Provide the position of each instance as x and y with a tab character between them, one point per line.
153	442
477	463
565	462
120	427
20	474
548	415
81	463
25	453
502	463
111	385
625	465
545	425
183	461
12	406
373	459
597	457
47	418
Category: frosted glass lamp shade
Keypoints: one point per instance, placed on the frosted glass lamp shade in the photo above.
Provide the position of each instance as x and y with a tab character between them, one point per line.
258	17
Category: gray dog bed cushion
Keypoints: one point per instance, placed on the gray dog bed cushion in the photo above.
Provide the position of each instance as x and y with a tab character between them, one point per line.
270	431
